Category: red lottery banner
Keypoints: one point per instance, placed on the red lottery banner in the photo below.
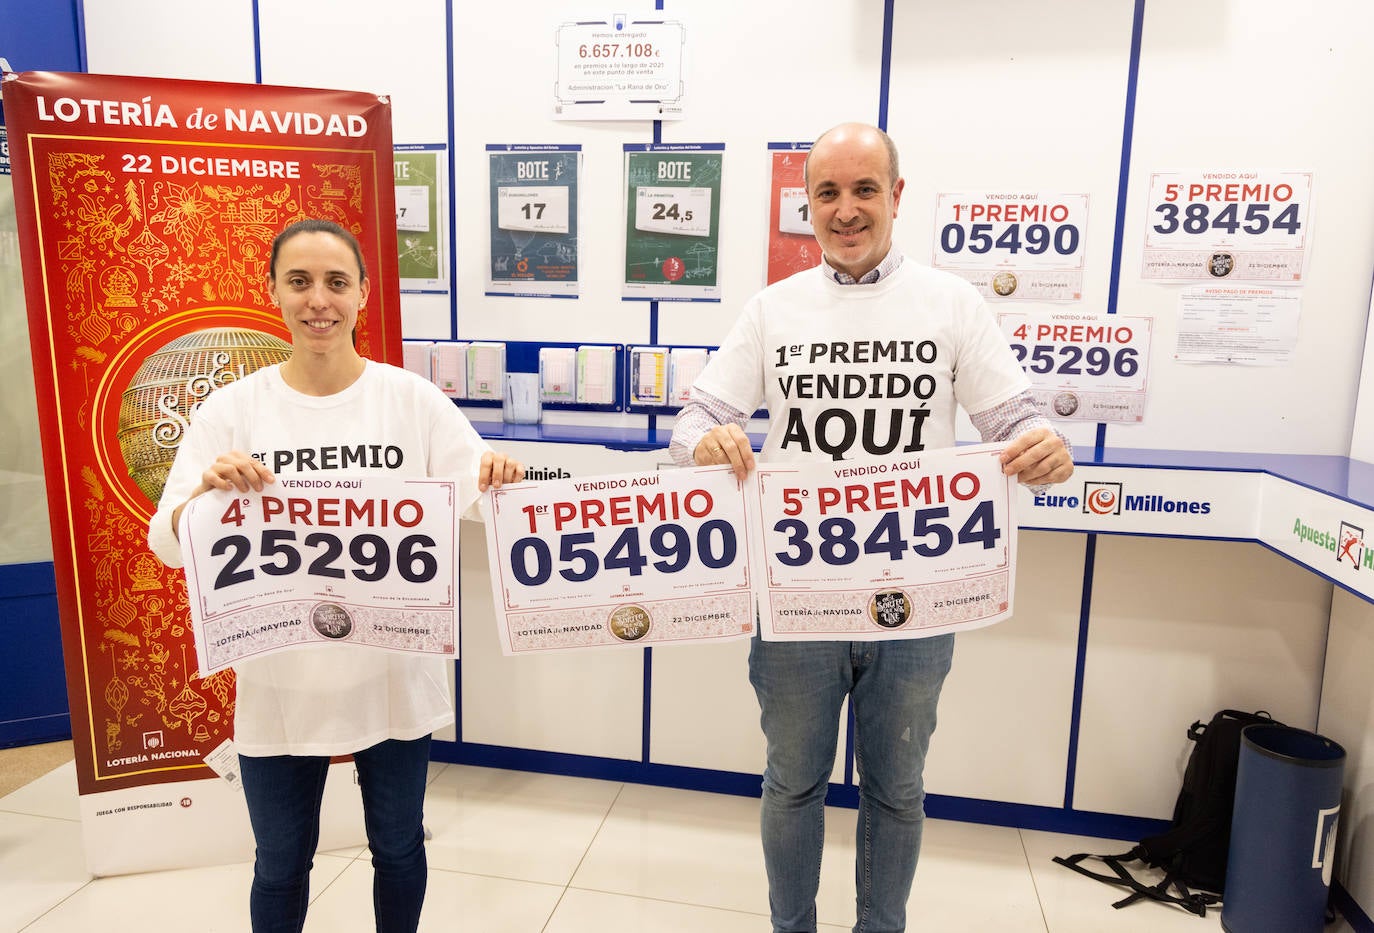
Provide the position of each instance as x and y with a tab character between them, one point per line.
146	211
792	245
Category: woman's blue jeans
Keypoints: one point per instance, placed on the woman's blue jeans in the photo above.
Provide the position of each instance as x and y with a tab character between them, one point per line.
893	688
284	794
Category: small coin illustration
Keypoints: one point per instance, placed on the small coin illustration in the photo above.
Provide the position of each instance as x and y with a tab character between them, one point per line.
629	623
889	608
1004	283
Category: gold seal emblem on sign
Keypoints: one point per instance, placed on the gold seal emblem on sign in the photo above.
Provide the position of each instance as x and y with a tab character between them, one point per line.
629	623
1004	283
889	608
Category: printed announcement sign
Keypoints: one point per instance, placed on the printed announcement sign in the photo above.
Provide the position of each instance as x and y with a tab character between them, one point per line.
355	560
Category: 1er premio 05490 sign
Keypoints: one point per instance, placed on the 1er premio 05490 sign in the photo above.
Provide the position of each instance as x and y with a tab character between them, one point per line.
636	558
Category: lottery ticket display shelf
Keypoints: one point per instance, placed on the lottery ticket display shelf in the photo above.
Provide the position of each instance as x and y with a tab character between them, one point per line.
1317	511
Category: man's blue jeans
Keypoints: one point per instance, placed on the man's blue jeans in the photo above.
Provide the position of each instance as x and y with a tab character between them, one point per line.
893	687
284	794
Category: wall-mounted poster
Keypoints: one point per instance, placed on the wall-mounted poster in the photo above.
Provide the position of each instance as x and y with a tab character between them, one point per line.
422	217
533	220
619	67
792	245
1014	245
1083	367
1226	223
672	221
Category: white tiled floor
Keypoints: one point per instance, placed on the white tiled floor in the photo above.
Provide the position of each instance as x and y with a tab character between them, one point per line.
528	853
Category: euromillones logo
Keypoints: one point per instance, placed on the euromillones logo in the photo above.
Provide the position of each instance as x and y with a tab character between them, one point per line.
1103	498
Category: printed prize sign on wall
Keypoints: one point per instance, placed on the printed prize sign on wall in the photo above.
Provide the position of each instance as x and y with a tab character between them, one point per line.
1083	367
1227	224
1014	245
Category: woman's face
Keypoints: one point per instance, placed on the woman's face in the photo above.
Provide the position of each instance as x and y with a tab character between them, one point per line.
319	288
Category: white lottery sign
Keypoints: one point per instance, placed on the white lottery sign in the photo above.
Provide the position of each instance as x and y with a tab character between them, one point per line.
632	559
412	208
360	560
794	212
1221	224
538	209
1083	367
1015	245
682	211
876	549
992	229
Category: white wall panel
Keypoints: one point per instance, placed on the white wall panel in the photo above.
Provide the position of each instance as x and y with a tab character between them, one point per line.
1347	716
704	714
588	702
1006	707
1231	84
1179	630
1021	106
207	40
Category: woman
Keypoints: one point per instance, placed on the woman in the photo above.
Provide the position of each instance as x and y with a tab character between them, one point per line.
297	708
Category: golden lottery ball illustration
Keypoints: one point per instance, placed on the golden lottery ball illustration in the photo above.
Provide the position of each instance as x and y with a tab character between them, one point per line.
629	623
172	382
889	608
1004	283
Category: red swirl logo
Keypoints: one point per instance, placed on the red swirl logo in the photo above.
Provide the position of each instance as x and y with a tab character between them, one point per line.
1102	501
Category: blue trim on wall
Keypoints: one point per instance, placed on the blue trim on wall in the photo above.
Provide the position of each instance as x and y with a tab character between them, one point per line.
647	710
885	78
257	43
1347	907
1080	668
33	702
79	10
43	36
1127	134
452	181
938	806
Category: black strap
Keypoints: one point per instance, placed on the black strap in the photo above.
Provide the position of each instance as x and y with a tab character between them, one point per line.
1193	902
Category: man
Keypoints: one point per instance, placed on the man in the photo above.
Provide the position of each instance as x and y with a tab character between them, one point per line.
924	342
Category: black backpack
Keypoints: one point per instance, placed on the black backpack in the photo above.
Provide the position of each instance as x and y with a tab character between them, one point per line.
1192	851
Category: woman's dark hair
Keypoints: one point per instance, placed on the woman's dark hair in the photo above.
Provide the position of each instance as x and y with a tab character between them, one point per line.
315	225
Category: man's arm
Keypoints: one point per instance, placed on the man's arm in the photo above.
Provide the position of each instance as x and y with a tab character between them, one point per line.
1037	453
708	431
